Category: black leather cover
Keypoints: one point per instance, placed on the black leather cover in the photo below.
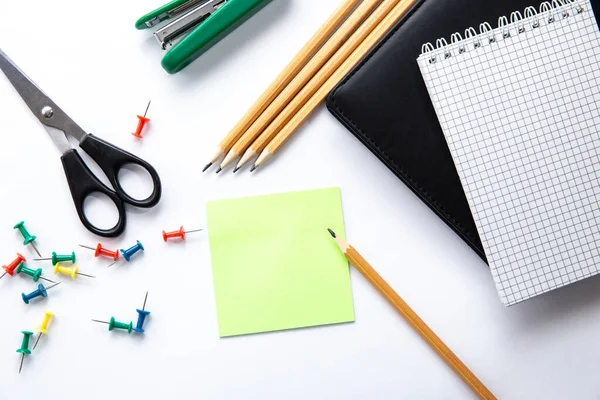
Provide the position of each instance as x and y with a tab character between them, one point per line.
385	104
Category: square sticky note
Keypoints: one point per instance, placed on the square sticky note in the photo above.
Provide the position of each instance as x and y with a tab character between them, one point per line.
274	264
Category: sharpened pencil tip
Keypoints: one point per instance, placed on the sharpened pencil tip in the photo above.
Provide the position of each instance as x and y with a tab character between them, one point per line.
253	168
236	169
207	166
219	170
332	233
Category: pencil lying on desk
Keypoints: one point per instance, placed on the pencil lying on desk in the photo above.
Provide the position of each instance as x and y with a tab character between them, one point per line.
413	319
325	82
296	98
282	80
324	55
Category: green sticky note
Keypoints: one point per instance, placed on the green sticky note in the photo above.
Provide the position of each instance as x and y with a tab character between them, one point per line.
274	264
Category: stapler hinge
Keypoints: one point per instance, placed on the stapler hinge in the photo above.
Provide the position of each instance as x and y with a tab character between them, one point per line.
195	12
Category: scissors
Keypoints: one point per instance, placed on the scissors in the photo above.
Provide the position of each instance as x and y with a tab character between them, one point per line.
82	181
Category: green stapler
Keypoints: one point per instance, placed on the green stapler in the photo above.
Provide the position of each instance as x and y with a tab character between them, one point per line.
192	26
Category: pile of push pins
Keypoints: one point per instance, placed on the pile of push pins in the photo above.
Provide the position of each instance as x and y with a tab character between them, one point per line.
99	250
42	329
139	326
59	259
18	267
64	264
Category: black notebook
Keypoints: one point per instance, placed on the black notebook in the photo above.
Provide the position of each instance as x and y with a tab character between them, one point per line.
385	104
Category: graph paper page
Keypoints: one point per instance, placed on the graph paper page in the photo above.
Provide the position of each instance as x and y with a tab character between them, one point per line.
521	119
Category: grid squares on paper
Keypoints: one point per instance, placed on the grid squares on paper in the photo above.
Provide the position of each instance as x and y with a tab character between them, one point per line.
521	119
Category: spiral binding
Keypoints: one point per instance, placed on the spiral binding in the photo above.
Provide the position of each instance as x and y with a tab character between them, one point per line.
549	12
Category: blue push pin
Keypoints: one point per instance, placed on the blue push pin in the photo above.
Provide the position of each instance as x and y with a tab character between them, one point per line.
127	254
132	250
40	291
142	314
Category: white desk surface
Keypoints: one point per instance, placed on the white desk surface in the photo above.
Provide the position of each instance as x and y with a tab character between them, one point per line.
101	71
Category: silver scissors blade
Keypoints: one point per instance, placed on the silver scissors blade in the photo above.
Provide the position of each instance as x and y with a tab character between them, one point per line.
46	111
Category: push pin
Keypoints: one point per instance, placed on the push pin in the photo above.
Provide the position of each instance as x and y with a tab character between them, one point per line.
72	271
35	274
177	234
59	258
10	268
114	324
99	250
27	238
40	291
142	122
24	347
142	314
127	254
43	328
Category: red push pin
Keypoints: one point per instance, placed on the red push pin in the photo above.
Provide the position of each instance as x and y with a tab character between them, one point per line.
142	122
177	234
99	250
10	268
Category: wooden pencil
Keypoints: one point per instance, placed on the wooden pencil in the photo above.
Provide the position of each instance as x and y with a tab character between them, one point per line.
413	319
282	80
341	35
292	104
325	86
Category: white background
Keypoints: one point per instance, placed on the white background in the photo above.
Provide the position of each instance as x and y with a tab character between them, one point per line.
101	71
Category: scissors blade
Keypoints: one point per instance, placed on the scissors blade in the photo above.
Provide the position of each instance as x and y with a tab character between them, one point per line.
45	110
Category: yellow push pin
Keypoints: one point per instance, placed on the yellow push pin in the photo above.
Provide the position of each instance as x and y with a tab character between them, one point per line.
72	271
43	328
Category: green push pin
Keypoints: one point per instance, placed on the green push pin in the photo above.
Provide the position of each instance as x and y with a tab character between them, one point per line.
35	274
27	237
59	258
24	347
114	324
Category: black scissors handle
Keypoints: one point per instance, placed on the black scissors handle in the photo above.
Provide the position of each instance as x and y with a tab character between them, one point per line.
83	183
111	159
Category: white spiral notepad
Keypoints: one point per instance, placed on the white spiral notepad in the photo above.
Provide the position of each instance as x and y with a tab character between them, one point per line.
520	109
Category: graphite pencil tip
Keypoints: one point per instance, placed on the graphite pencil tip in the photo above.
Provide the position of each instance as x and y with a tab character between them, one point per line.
219	170
207	166
253	168
332	233
236	169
